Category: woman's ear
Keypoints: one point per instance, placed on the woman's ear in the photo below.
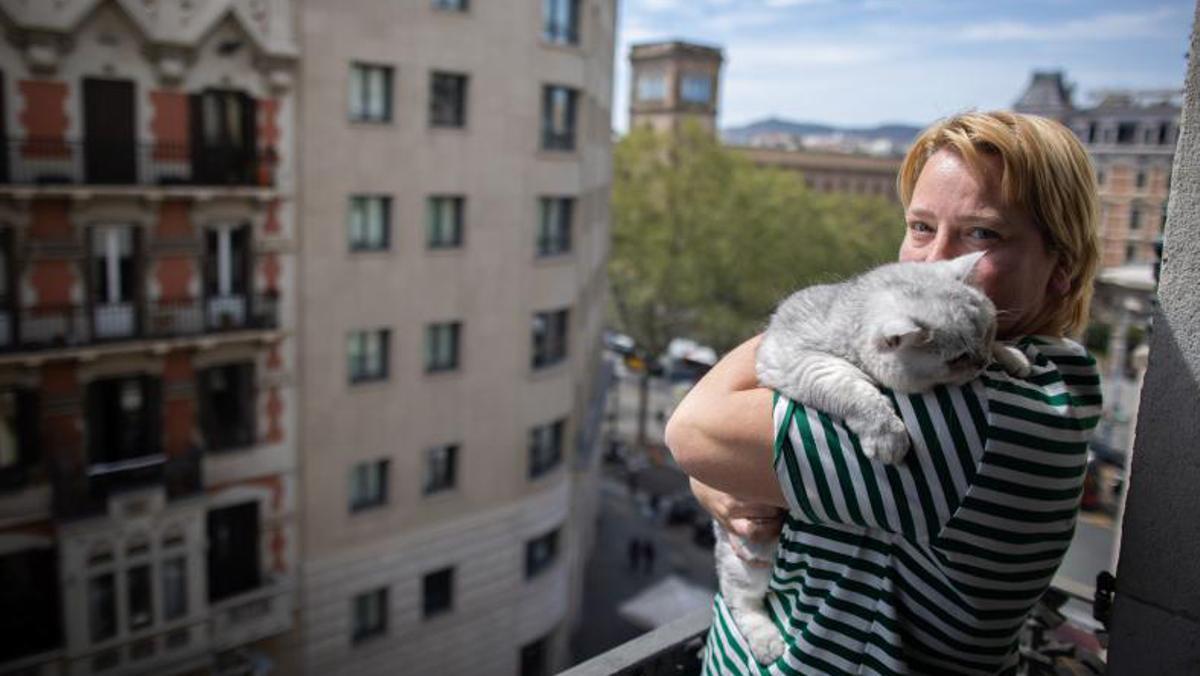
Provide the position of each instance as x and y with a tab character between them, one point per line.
1060	281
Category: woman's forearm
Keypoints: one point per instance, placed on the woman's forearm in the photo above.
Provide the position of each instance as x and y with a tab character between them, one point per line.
722	432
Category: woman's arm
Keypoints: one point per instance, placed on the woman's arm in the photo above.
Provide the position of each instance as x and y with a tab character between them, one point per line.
722	433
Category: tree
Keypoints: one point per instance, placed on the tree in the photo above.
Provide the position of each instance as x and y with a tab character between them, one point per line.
705	243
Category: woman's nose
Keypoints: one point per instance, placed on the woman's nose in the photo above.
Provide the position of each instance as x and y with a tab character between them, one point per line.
941	249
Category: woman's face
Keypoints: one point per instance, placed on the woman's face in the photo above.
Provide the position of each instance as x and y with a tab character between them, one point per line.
954	212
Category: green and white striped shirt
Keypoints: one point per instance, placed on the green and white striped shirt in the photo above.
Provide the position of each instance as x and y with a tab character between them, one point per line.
929	566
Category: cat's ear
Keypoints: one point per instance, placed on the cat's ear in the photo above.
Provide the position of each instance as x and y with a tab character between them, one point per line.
900	332
963	267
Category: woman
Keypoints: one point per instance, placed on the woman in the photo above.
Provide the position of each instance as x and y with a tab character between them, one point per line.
929	566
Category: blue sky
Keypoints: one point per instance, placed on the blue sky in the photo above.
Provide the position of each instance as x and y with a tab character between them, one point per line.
863	62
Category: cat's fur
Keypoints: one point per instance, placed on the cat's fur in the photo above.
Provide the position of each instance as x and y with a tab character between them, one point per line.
905	326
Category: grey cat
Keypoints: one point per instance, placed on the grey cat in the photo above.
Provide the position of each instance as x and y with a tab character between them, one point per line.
905	326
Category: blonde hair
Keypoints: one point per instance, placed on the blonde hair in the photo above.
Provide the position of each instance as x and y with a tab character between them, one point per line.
1047	173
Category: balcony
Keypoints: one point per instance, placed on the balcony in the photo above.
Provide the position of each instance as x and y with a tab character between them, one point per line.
670	650
45	328
80	492
54	162
251	616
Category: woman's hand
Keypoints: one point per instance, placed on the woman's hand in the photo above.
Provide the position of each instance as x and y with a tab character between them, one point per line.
755	522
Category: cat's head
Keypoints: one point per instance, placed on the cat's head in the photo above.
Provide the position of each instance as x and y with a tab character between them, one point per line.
928	325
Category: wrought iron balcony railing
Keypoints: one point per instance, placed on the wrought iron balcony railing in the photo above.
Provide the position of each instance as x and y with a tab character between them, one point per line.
45	161
44	328
83	491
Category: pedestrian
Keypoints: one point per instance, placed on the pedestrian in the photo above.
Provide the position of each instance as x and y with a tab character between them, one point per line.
648	556
635	554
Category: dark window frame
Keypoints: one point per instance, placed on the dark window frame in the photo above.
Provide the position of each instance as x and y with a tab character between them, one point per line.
357	372
555	224
219	431
435	360
440	236
361	241
382	468
452	5
437	593
556	136
358	109
448	97
560	22
363	627
546	447
441	473
550	338
541	553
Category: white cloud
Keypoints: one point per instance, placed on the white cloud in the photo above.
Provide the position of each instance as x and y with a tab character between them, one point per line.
1112	26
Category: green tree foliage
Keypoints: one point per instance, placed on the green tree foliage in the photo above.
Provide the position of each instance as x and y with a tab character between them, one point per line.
705	243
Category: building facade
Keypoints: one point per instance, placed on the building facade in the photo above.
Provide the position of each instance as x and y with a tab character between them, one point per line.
855	174
1131	138
454	215
674	82
147	348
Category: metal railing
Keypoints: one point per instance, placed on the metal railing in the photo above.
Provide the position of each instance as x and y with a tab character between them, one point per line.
49	327
84	490
50	161
670	650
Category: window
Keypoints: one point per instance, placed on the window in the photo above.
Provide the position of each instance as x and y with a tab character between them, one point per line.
1141	178
226	403
124	424
560	20
1126	132
1131	253
441	346
448	100
370	614
1091	132
437	592
370	222
233	550
19	446
549	338
367	355
1100	177
174	588
558	117
696	88
368	485
444	222
102	607
1135	218
29	595
452	5
441	463
224	138
114	280
227	271
545	447
534	660
651	87
370	93
1163	134
540	553
138	580
554	225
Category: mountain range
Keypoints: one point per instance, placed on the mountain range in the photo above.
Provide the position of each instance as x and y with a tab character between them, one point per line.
899	134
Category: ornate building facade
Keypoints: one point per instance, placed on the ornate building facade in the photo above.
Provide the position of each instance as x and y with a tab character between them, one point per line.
147	350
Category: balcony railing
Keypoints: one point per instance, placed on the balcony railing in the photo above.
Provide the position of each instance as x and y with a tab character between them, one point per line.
670	650
52	327
42	161
83	491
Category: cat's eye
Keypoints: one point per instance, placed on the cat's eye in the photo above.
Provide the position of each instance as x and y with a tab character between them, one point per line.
959	361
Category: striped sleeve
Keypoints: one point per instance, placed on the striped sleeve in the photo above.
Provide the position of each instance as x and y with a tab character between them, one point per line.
827	479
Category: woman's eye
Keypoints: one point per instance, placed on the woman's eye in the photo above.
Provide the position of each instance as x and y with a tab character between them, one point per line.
919	226
983	233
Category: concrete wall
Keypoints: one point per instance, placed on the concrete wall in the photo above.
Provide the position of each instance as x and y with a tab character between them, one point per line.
1157	615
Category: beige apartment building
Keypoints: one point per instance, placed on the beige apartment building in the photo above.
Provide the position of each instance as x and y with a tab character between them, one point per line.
453	210
1131	137
147	346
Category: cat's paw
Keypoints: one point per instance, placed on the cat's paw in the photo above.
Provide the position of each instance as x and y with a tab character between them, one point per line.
1014	361
886	442
765	643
